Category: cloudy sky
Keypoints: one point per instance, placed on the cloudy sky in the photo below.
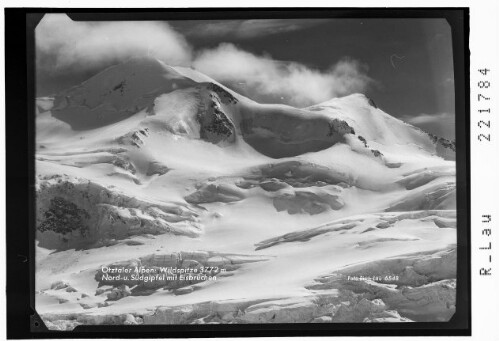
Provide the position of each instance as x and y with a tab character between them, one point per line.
404	65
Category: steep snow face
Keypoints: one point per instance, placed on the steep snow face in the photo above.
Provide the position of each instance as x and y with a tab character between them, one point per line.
374	125
172	168
116	93
190	103
147	84
281	131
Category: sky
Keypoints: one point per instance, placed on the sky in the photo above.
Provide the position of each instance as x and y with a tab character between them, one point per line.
404	65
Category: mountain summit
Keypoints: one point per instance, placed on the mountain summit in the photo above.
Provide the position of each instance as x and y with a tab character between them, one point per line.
218	115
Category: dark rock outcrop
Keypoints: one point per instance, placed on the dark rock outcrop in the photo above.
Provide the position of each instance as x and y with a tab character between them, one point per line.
215	125
77	213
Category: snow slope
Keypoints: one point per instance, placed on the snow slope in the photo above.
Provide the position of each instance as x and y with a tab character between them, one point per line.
152	166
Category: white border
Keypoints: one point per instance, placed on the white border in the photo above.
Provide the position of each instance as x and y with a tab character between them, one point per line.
484	169
484	41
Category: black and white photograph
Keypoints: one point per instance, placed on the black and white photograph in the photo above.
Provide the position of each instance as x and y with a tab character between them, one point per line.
246	171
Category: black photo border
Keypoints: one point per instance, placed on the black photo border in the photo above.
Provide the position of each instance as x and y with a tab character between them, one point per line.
22	320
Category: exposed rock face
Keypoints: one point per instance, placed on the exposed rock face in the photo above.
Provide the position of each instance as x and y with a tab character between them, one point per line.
339	127
375	152
223	95
64	217
450	144
134	138
77	213
363	140
371	102
445	148
215	126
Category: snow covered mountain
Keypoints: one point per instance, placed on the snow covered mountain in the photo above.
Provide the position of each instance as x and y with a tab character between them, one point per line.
337	212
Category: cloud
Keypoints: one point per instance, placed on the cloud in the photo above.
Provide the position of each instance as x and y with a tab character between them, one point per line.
430	119
63	44
296	83
245	29
441	124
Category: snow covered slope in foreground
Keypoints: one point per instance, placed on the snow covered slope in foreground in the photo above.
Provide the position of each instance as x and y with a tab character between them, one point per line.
334	213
